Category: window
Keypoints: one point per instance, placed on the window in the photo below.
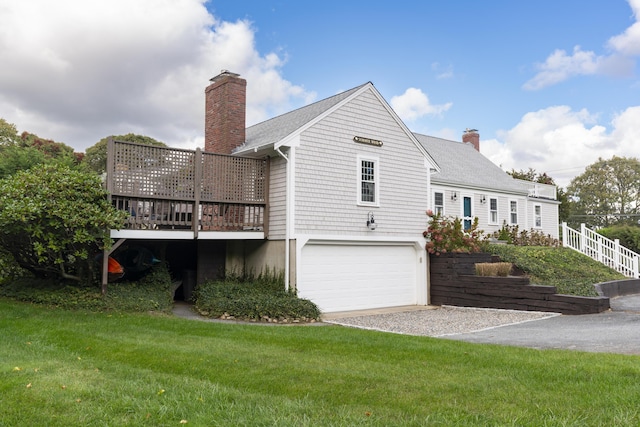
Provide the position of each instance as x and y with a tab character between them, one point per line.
493	211
537	216
368	182
513	212
438	203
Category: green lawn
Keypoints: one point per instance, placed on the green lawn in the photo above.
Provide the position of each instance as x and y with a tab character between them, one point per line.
66	368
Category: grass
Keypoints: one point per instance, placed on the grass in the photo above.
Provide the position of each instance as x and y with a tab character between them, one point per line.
501	269
571	272
61	368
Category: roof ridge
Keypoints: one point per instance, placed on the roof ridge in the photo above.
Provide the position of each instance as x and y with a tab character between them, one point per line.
311	105
437	137
278	127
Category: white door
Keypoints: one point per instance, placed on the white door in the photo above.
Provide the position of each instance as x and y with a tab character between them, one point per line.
346	277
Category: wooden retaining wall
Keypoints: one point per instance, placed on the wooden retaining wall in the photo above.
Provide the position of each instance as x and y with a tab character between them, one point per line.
453	282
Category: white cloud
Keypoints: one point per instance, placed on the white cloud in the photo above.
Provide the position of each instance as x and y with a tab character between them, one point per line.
628	42
560	66
414	103
442	72
81	70
561	142
626	132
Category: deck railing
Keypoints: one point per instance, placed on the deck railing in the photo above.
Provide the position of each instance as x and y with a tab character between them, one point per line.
538	190
598	247
169	188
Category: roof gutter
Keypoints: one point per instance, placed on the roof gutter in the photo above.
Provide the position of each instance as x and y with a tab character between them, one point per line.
480	188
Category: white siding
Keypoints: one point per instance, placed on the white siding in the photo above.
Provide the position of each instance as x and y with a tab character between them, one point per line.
481	210
451	207
454	208
277	199
326	174
550	218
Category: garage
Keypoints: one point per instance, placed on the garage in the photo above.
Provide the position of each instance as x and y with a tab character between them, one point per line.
351	276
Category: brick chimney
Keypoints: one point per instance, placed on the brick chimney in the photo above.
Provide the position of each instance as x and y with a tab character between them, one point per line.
225	111
472	136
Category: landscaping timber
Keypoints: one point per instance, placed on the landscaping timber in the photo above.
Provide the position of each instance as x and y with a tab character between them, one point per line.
453	282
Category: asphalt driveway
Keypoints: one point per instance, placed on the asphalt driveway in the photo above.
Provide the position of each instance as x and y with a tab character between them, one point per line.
614	331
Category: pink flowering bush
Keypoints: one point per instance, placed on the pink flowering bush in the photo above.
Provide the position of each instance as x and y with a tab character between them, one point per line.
446	234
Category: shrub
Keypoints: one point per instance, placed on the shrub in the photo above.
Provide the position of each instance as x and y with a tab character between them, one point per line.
628	235
262	299
52	218
446	234
9	268
501	269
151	293
512	235
53	293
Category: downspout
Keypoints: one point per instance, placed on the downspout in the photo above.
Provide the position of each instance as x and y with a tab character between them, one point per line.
287	236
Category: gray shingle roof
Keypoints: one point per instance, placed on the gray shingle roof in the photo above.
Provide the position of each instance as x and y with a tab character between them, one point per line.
464	166
460	164
273	130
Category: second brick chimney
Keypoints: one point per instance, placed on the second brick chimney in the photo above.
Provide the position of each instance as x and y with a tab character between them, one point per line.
473	137
225	113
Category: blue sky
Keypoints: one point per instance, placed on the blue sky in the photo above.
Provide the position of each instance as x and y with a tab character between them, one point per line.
551	85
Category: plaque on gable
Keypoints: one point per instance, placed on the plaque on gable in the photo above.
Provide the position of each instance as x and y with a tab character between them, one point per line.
368	141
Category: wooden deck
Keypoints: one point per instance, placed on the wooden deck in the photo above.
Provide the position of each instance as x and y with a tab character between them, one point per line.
175	189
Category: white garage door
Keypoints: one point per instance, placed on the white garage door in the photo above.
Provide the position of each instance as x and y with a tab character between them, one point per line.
358	277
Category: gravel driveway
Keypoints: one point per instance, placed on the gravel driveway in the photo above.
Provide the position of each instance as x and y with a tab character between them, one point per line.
439	322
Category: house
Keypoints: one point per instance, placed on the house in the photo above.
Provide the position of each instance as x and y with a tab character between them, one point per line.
344	209
468	185
332	194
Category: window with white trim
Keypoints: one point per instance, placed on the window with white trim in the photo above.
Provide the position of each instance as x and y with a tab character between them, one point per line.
513	212
368	181
438	203
493	211
537	216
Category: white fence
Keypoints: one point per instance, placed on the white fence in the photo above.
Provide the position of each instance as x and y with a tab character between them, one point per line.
607	251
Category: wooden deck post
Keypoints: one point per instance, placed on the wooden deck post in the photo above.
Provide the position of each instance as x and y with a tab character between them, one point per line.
197	187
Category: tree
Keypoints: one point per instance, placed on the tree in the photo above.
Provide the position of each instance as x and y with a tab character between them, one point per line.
22	152
54	219
532	175
96	155
14	158
8	132
51	148
565	208
608	192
